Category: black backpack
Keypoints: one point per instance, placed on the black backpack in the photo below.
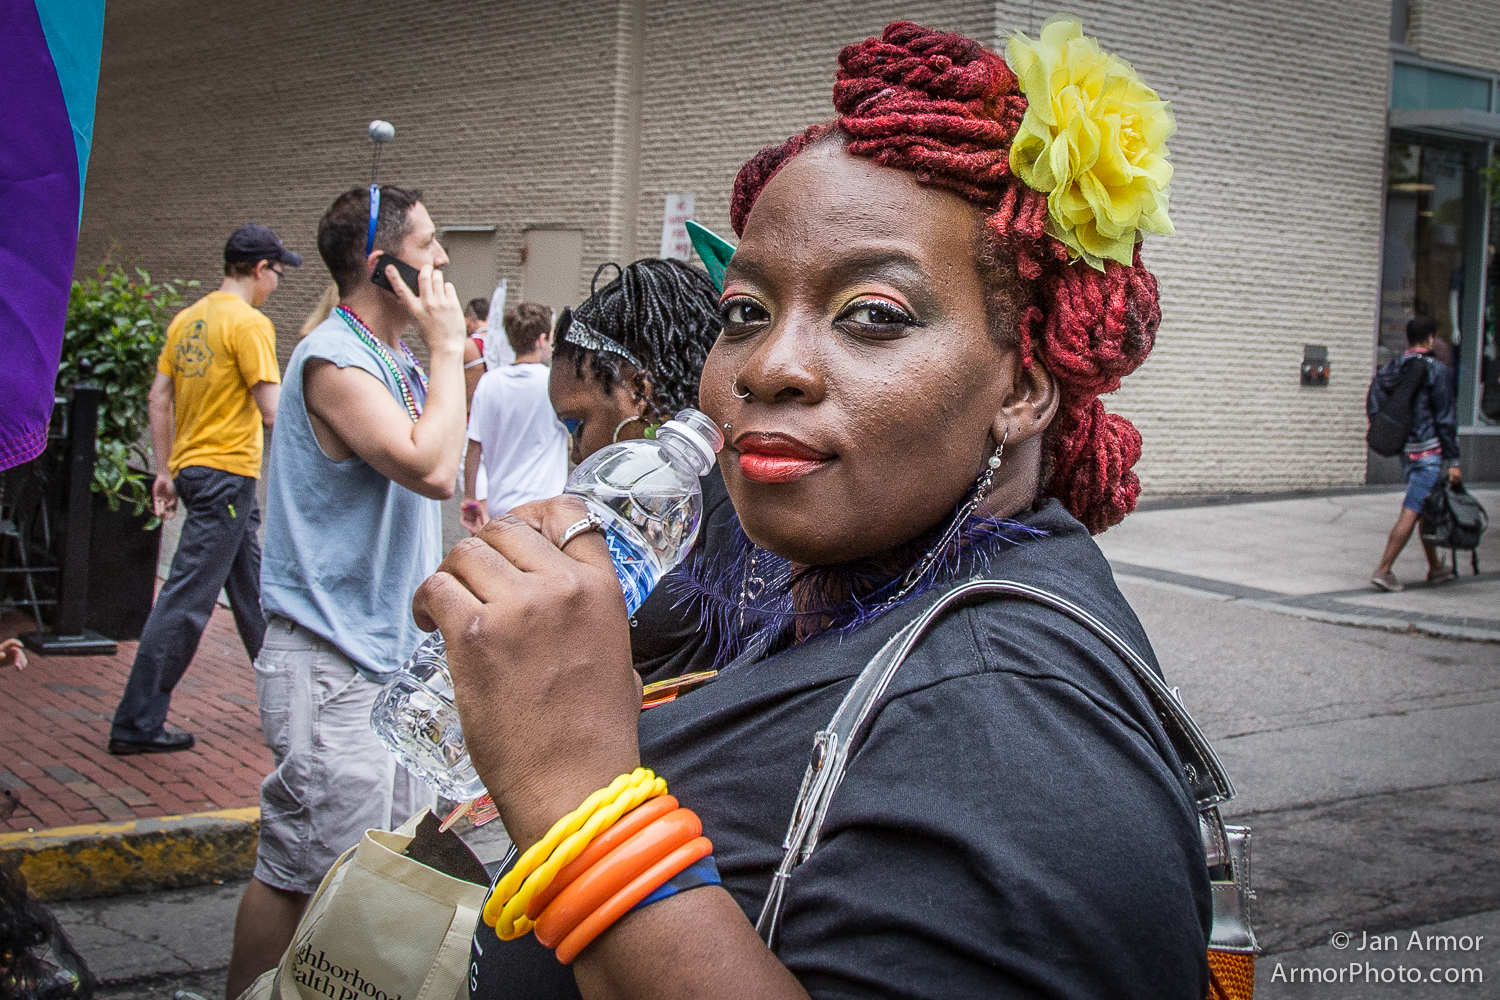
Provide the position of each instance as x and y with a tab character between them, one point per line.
1453	519
1392	423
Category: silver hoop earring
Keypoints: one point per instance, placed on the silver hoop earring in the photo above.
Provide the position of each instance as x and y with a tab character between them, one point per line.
734	386
623	424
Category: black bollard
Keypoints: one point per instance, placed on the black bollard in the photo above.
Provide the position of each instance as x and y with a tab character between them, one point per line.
71	637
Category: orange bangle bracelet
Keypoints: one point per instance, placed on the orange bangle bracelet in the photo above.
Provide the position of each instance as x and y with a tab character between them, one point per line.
594	887
628	826
602	919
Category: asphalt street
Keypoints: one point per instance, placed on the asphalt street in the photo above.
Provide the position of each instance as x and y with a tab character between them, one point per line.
1367	764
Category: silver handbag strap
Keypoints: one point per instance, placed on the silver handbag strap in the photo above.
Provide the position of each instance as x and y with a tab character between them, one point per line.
1207	779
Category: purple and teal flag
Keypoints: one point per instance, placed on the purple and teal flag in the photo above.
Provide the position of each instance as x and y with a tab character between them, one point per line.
49	74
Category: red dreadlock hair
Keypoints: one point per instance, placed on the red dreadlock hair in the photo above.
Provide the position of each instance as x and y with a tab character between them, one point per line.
946	108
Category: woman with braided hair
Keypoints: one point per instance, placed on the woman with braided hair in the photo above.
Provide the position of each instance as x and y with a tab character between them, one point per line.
928	297
623	362
631	355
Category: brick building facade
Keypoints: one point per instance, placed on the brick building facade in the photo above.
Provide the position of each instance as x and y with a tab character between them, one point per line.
547	136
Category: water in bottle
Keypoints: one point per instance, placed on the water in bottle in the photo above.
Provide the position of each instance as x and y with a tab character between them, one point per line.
646	494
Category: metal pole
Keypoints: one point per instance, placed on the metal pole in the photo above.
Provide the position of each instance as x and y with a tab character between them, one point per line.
83	419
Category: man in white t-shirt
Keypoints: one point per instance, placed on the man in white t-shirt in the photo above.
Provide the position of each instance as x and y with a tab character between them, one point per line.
513	431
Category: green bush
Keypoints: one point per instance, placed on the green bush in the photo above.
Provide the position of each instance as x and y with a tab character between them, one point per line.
118	321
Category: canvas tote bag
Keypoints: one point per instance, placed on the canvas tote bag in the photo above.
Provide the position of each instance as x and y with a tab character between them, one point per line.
382	926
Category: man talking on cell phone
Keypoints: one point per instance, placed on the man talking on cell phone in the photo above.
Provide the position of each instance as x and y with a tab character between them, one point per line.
367	445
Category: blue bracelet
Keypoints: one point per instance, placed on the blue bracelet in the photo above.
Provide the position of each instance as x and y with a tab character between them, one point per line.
699	873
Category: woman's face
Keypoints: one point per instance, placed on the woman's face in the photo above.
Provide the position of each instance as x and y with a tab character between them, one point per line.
855	316
590	413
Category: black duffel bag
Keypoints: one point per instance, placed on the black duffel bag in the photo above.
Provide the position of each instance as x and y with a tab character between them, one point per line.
1453	519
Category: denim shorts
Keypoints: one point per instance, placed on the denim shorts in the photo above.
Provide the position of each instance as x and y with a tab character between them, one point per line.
1421	476
334	779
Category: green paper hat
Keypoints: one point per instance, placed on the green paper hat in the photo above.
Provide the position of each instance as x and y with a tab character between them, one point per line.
713	249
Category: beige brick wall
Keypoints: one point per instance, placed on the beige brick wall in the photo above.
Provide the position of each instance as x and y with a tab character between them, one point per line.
525	114
724	80
206	120
1466	32
1277	203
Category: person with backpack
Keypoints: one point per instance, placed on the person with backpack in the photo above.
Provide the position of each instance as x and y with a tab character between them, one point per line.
1414	391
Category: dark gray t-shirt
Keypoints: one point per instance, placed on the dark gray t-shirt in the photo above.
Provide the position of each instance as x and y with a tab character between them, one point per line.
1015	825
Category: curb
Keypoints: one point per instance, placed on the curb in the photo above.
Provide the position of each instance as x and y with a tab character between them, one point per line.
106	859
1328	607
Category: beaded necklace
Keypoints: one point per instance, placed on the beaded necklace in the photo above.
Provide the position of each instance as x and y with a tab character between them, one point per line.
413	409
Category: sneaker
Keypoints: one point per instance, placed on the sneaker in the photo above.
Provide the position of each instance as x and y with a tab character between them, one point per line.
1387	582
166	741
1443	575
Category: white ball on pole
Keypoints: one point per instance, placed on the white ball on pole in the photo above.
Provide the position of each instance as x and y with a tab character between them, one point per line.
382	131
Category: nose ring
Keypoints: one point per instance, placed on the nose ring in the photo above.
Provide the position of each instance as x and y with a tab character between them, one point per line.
733	390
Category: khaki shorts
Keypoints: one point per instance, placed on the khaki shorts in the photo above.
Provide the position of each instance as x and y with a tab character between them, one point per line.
334	779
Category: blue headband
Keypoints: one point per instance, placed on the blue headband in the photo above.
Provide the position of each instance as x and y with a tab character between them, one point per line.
374	217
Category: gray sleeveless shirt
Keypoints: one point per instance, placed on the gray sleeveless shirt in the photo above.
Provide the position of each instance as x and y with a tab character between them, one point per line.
345	547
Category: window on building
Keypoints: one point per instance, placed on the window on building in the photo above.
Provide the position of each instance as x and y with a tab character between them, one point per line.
1489	364
1441	225
1424	242
1422	88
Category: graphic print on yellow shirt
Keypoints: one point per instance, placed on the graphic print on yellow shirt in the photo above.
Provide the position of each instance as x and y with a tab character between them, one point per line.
193	354
216	350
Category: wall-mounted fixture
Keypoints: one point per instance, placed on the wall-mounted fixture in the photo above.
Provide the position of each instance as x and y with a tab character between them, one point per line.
1314	364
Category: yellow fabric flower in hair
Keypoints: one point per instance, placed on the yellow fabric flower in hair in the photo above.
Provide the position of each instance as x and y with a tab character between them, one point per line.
1093	141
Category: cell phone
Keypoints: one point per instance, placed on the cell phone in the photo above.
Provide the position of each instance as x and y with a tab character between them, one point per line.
407	272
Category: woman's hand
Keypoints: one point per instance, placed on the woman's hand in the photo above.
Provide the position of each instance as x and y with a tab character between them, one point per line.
539	648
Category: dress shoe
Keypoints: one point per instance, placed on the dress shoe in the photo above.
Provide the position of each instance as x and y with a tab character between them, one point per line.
166	741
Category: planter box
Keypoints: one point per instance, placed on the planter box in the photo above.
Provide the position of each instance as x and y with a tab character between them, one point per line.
122	557
122	570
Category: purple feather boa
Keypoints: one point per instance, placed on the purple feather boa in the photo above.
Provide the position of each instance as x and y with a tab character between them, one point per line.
855	593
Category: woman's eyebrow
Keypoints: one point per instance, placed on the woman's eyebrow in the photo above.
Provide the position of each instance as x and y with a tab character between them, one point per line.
742	267
871	262
881	263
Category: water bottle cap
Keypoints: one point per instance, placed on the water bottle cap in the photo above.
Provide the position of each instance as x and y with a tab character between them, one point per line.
696	428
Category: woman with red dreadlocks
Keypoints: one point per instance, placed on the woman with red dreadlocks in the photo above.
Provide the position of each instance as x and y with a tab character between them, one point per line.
928	297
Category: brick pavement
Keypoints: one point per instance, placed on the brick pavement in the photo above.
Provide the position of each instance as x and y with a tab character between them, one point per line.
54	724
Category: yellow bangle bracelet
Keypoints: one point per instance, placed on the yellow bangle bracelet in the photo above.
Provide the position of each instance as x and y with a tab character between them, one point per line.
638	786
513	922
538	852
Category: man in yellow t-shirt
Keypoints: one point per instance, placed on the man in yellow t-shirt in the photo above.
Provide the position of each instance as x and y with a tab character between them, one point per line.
217	384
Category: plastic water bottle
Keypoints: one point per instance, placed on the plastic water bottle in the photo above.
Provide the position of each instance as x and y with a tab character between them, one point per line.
646	494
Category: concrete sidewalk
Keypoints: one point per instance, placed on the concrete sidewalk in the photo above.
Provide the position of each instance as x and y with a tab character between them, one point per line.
1311	558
